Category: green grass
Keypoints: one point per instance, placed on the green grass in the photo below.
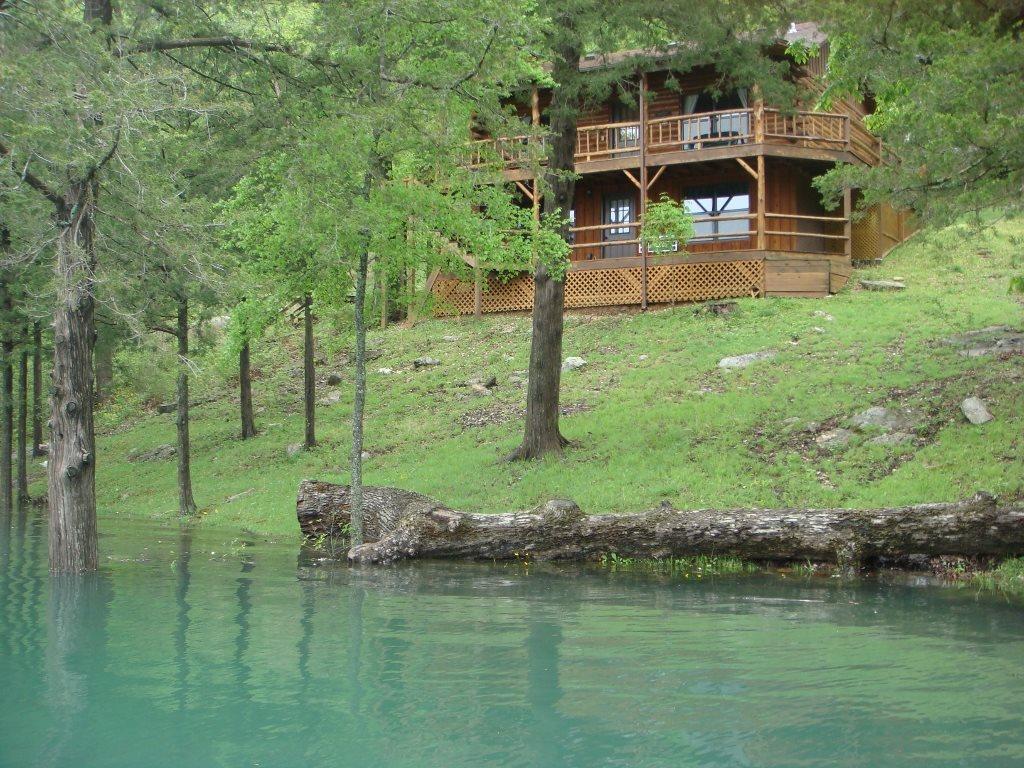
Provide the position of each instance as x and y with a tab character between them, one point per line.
653	419
1007	577
697	566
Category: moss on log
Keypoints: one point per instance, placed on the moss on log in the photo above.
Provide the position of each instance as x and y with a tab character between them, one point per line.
401	525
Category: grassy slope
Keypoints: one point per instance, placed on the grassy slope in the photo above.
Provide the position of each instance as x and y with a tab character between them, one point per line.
669	427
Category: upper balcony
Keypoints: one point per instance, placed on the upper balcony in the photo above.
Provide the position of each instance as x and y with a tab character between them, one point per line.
696	137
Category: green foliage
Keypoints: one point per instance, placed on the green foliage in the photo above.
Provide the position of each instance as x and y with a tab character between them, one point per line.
668	226
949	109
1007	577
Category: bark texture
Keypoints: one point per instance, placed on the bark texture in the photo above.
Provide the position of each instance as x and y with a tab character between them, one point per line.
37	389
21	448
245	393
7	428
186	503
541	432
71	466
308	373
408	525
357	511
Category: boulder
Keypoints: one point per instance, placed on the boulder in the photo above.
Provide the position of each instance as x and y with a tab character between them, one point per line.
333	379
488	382
294	449
385	371
573	364
742	361
883	285
892	438
159	453
976	411
834	438
425	362
882	418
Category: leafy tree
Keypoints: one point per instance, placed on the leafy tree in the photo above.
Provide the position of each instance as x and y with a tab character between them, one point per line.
733	36
945	81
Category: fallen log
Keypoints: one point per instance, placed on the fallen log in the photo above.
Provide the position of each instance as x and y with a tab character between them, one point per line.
401	525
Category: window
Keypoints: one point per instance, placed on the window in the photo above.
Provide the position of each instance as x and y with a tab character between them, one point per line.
618	210
629	135
723	126
709	205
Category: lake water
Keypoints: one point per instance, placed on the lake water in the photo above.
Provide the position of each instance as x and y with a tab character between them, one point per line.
195	649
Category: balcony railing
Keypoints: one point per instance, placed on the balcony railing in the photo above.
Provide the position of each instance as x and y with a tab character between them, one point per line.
798	233
690	133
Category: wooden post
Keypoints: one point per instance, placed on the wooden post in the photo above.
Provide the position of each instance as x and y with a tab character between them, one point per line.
762	240
759	120
643	188
847	224
478	293
410	310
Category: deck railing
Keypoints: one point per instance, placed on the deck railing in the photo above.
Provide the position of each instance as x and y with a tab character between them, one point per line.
691	133
799	233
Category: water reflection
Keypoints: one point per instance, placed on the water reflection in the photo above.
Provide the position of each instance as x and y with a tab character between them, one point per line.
194	653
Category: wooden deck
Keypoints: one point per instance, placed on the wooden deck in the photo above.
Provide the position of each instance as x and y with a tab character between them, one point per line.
693	138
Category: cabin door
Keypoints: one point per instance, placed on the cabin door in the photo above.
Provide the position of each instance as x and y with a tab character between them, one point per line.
619	213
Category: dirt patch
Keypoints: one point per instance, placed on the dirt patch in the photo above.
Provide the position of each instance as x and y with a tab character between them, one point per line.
502	413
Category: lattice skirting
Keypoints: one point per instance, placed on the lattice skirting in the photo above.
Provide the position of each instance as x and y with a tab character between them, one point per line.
666	283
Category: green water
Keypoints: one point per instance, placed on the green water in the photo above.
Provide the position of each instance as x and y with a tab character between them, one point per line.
196	650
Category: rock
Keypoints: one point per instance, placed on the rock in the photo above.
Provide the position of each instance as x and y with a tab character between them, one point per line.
995	339
294	449
385	371
742	361
167	408
488	382
333	379
371	354
976	411
450	338
892	438
642	358
479	389
883	285
823	315
331	398
573	364
425	362
880	417
364	455
834	438
818	329
160	453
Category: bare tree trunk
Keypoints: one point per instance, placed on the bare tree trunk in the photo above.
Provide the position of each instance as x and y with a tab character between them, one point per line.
245	392
359	401
413	526
37	389
542	434
308	373
22	445
71	464
6	428
186	503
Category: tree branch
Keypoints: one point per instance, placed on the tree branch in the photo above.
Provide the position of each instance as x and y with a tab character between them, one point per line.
32	180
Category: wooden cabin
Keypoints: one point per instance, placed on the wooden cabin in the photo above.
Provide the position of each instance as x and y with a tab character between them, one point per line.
742	168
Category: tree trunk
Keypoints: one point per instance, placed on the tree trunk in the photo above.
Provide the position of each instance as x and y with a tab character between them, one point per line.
359	401
21	452
186	504
412	526
6	428
71	464
245	393
308	372
541	434
37	389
